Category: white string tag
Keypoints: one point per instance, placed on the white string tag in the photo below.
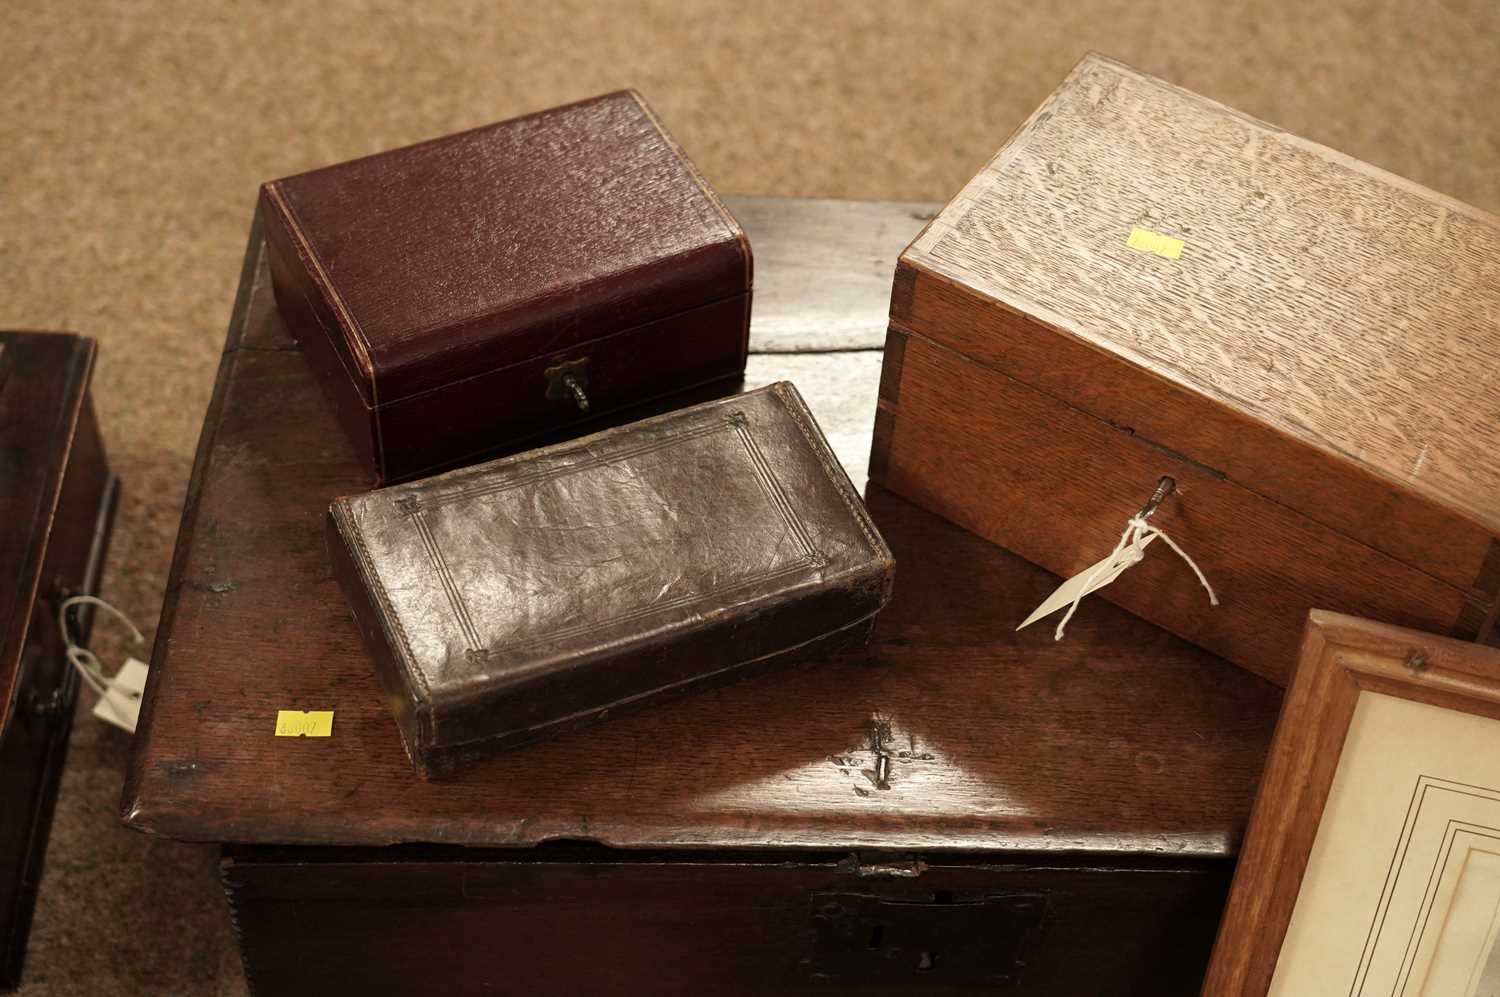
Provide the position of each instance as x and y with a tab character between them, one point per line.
121	706
120	694
1129	551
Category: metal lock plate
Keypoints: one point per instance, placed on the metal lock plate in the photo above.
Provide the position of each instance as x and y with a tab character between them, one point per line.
949	941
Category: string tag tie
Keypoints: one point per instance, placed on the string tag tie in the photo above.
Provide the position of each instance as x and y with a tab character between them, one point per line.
119	694
1138	535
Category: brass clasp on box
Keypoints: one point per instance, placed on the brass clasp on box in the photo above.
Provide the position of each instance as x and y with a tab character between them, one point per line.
569	380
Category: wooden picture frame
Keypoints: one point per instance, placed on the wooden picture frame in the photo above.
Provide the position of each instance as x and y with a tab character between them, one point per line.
1356	723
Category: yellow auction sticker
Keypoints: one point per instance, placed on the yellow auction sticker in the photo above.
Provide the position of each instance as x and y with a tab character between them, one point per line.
304	723
1146	241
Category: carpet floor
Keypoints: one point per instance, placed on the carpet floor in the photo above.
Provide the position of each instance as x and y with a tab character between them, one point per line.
133	135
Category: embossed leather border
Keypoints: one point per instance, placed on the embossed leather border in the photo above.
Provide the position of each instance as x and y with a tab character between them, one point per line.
416	510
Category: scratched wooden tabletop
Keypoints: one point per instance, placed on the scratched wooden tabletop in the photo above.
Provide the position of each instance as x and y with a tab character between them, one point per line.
1121	739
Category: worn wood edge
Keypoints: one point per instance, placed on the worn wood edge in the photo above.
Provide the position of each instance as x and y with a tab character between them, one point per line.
1476	620
255	251
1288	436
664	831
903	289
891	368
738	201
85	352
805	306
1488	581
582	856
133	811
1341	657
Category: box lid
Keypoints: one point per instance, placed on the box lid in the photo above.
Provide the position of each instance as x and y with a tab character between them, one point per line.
43	380
467	253
1185	253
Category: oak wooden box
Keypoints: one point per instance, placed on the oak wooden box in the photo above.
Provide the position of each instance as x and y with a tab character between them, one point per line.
957	809
477	292
57	501
1144	283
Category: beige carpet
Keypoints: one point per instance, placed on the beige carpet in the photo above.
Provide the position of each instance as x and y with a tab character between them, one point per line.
133	135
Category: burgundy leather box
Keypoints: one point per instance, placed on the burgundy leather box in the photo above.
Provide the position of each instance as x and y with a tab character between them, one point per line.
520	281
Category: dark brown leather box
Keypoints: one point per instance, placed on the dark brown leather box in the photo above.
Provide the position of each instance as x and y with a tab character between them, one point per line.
57	500
508	283
506	600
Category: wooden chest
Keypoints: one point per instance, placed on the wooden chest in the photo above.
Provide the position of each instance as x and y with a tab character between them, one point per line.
958	808
1143	283
57	500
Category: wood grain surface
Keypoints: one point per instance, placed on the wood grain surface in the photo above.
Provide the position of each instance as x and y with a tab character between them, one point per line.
1057	487
823	296
821	302
1344	306
1341	659
840	388
1125	740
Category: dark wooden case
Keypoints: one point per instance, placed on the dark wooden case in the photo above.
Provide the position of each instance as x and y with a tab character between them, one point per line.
957	807
1311	369
57	499
462	295
508	601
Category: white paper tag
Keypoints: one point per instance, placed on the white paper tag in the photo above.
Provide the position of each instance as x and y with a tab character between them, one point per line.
122	707
1102	572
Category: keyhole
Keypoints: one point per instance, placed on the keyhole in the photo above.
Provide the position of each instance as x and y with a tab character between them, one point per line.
926	961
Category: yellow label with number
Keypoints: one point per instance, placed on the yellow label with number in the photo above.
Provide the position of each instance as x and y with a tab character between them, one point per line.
304	723
1147	241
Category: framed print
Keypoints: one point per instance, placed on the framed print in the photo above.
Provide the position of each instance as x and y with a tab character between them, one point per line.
1372	861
